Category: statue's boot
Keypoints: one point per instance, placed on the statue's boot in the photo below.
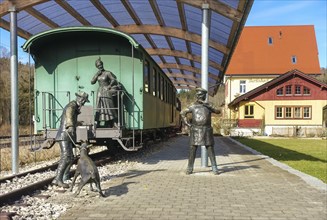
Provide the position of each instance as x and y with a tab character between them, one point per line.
191	160
66	175
58	180
211	154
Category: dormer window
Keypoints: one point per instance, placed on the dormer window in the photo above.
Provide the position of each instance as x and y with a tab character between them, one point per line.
288	90
294	59
279	91
306	90
270	40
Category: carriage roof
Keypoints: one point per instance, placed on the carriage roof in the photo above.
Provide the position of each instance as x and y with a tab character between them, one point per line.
34	40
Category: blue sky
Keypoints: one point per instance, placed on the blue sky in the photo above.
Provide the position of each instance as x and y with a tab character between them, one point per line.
293	12
263	13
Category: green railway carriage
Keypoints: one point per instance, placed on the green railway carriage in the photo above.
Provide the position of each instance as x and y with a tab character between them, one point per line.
65	64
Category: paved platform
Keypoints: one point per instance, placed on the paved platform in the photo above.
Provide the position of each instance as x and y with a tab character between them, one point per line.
249	186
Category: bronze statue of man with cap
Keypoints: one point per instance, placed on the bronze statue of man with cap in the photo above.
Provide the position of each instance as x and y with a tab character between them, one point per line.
201	132
66	137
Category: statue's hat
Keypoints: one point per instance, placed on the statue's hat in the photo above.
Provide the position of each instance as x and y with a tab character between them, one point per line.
83	95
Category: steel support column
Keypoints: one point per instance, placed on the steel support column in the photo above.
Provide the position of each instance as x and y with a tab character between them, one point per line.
204	66
14	90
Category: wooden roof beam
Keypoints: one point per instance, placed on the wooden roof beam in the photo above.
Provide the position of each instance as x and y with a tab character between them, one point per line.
131	12
19	5
20	32
181	82
216	6
182	54
65	5
105	12
41	17
184	76
156	11
172	32
185	67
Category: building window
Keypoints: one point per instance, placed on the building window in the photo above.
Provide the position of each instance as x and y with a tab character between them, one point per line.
280	91
297	112
306	90
297	90
279	112
248	111
293	112
242	86
306	112
288	90
294	59
270	40
288	112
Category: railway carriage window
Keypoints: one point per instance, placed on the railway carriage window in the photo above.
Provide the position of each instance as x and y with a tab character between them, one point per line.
170	94
161	88
146	76
154	82
164	90
158	83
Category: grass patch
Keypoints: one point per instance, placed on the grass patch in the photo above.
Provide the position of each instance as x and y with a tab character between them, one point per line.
26	156
306	155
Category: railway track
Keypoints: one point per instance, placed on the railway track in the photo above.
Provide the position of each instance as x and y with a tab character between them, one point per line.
23	140
100	159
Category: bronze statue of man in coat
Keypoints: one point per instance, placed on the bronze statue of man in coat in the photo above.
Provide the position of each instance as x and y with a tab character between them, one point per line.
201	132
66	136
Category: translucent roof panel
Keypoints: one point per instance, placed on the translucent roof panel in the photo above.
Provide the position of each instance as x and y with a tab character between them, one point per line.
169	59
144	12
213	70
179	44
215	55
160	41
57	14
141	40
170	30
185	61
231	3
118	11
88	11
196	48
156	58
220	28
194	19
169	12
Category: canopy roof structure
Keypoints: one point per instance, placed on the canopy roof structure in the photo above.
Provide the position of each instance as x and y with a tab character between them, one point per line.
169	30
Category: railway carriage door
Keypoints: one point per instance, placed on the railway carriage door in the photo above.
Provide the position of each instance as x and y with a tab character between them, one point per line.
85	69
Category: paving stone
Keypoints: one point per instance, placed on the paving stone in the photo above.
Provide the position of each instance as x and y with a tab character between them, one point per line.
249	186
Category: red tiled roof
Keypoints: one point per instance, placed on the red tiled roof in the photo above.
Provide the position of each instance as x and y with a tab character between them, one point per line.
253	54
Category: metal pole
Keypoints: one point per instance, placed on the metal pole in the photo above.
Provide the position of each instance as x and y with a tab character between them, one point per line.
14	89
204	66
